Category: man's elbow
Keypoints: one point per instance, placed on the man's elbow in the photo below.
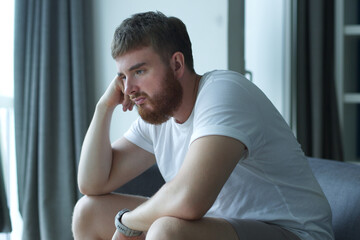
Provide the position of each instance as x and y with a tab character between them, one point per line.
183	202
85	190
90	190
194	209
194	213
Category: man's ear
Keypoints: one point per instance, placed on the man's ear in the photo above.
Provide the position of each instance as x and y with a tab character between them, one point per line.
178	64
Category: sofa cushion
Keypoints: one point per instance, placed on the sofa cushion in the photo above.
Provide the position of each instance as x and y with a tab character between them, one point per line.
341	184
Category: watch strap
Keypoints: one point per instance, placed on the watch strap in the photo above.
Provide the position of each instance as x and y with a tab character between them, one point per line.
124	229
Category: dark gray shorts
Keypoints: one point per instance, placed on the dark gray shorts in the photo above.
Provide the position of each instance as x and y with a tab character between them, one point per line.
257	230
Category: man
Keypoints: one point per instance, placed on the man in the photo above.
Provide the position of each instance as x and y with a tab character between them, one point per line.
233	168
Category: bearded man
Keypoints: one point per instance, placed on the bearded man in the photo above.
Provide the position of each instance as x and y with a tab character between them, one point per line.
232	166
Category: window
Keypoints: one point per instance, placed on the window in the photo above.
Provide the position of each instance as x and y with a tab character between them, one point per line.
267	49
7	116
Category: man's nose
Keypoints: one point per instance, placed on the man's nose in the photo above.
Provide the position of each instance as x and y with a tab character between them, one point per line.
130	86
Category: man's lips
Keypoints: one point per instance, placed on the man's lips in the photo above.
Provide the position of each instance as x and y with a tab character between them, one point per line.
139	100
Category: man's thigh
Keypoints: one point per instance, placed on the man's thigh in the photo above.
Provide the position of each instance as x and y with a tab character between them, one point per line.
216	229
101	210
179	229
257	230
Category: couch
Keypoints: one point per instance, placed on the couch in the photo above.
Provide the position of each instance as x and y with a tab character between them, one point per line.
340	182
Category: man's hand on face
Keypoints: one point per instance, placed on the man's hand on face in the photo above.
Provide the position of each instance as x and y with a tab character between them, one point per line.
114	95
119	236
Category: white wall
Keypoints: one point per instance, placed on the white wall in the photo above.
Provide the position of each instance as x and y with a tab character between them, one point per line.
206	21
267	49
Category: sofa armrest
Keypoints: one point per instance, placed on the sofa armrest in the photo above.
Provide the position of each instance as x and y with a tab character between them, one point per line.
340	183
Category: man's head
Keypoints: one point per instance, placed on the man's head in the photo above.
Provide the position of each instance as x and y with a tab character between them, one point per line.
166	35
152	85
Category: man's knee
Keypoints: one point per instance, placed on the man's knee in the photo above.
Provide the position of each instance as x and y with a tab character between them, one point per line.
165	228
83	214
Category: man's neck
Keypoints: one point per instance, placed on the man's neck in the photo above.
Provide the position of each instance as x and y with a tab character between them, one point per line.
190	85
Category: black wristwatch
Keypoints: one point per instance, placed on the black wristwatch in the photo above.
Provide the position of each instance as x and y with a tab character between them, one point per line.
124	229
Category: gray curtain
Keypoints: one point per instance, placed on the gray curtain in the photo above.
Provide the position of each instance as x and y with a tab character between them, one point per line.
51	92
5	223
317	120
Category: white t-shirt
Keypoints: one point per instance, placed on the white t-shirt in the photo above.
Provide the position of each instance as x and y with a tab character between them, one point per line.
272	182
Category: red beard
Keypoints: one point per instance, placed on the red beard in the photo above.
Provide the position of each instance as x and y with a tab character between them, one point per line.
164	103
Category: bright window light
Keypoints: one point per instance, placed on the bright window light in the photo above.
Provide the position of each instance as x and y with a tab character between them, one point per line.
7	116
7	47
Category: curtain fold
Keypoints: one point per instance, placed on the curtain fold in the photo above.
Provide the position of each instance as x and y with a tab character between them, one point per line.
317	119
5	223
51	103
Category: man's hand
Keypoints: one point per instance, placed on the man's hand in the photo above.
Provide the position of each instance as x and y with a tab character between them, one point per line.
114	95
119	236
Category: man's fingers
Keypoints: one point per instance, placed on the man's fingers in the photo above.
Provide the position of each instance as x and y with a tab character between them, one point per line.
127	103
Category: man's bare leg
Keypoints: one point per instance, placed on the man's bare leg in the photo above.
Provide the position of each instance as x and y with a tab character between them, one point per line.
94	219
170	228
94	216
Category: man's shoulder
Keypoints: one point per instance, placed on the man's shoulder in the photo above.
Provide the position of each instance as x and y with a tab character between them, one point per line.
223	76
222	80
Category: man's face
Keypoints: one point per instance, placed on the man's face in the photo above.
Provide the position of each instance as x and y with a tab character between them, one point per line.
164	102
151	84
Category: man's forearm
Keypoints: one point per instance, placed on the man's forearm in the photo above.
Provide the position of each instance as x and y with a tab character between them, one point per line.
96	154
143	216
170	200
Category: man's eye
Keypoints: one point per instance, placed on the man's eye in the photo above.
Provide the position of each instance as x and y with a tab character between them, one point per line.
139	72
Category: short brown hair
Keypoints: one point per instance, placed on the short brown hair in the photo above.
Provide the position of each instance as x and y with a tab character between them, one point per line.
166	35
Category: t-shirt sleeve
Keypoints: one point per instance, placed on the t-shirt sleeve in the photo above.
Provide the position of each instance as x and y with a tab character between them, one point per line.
225	107
138	134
